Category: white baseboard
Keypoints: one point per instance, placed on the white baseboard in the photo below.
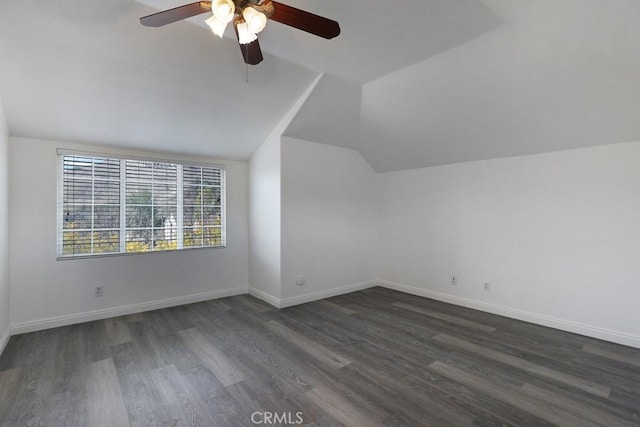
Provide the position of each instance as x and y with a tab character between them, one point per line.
314	296
268	298
4	339
539	319
54	322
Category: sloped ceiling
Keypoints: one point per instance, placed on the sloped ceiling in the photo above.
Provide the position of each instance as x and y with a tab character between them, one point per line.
557	74
89	72
408	83
377	37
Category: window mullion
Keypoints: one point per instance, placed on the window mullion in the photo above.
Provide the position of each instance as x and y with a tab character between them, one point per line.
93	198
180	208
152	245
123	206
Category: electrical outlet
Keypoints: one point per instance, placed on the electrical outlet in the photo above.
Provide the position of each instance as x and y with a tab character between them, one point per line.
98	292
454	280
487	286
300	280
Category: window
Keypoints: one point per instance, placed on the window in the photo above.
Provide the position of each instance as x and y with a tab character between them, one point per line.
108	205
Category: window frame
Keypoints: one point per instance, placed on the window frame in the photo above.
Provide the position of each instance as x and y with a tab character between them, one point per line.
61	153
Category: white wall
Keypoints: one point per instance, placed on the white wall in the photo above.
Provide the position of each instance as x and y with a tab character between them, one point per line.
265	266
329	220
46	292
4	230
557	235
264	220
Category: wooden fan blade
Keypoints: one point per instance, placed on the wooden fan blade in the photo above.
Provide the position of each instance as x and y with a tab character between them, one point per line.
305	21
176	14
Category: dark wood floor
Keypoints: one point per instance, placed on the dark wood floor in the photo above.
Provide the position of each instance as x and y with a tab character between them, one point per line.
375	357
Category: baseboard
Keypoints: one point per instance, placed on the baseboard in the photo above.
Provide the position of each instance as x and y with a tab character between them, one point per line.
4	339
539	319
54	322
314	296
268	298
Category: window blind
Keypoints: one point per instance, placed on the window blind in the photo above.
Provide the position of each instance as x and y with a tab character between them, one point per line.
110	206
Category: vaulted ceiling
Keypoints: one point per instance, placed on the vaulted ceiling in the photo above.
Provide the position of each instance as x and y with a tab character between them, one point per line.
408	83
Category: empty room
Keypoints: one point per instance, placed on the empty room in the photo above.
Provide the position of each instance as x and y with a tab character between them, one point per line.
320	212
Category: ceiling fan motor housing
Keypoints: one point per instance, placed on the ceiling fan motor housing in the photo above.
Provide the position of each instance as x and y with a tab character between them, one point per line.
265	6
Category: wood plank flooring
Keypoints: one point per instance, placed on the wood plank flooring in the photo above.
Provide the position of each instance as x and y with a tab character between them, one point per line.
371	358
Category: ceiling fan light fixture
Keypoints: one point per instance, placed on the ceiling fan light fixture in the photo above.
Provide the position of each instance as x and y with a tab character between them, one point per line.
255	19
216	25
223	10
245	36
249	18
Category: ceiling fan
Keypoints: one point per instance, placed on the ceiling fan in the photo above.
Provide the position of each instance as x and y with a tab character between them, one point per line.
249	17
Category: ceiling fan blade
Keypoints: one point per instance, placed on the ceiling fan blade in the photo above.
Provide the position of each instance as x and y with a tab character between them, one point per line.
176	14
305	21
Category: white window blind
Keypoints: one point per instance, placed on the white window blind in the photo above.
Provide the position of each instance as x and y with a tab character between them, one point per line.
110	206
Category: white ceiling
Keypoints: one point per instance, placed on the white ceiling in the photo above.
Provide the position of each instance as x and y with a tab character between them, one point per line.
408	83
87	71
560	74
557	74
376	38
